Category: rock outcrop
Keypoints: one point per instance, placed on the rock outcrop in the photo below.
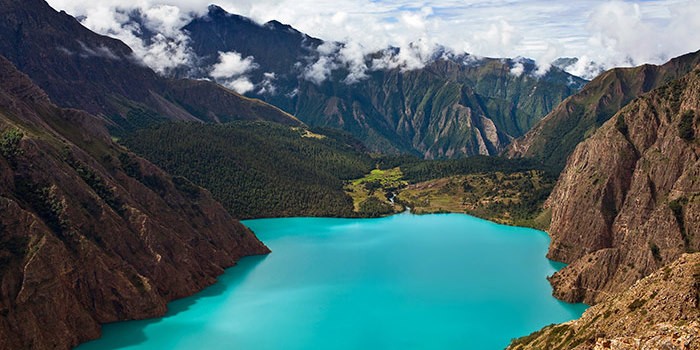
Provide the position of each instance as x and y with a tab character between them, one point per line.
554	137
661	311
90	233
628	201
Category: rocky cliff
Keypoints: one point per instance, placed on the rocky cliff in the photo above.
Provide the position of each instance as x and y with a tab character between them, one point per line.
554	138
81	69
90	233
661	311
448	109
628	201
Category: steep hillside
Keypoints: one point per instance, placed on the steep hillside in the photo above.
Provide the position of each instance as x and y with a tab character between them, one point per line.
450	108
258	169
81	69
628	201
554	138
90	233
457	105
662	311
276	47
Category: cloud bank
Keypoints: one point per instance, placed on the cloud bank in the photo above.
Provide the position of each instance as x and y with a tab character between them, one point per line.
600	33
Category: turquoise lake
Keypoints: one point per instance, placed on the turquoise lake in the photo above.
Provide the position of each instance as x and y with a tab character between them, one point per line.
445	281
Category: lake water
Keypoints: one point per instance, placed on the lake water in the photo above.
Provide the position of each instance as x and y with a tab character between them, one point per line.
446	281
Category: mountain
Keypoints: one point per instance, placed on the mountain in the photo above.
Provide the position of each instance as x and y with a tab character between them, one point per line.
91	233
661	311
81	69
628	200
457	105
276	47
554	138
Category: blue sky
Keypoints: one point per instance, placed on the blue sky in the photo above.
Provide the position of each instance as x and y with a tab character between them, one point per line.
609	33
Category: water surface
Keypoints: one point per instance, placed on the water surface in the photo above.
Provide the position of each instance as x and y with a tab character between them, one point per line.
446	281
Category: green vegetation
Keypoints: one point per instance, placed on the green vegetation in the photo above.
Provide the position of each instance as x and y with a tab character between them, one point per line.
557	336
676	207
655	251
686	128
416	170
636	304
510	198
10	145
621	125
257	169
378	184
375	207
90	177
674	91
44	202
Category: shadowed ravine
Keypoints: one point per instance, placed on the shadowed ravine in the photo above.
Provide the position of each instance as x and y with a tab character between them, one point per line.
446	281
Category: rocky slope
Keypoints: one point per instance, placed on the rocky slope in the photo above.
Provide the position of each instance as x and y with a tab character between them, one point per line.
554	138
457	105
90	233
661	311
81	69
628	201
450	108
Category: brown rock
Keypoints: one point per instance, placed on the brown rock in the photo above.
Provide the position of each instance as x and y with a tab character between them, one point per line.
658	312
554	138
90	233
628	201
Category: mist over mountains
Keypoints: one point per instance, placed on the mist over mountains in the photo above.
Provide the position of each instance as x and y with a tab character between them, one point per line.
606	33
429	102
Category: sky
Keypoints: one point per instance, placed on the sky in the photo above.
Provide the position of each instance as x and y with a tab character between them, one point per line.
600	33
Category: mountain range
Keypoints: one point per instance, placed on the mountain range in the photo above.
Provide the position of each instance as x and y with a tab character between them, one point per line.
95	233
81	69
554	138
453	106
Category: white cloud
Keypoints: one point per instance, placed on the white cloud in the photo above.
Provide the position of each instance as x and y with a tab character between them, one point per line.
353	56
605	33
100	51
320	70
231	70
626	34
166	50
545	60
267	86
518	69
241	85
231	64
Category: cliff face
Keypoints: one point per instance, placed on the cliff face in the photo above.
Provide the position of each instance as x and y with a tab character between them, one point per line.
628	201
554	138
81	69
447	109
661	311
90	233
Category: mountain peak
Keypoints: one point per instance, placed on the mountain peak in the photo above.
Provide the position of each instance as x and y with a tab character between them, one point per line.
217	12
276	25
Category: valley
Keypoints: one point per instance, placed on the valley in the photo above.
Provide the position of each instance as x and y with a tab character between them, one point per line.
124	183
